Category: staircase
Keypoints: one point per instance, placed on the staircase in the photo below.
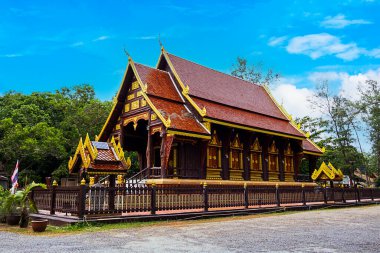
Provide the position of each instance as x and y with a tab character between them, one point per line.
140	177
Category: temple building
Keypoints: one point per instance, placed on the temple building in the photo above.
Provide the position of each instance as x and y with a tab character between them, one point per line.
187	121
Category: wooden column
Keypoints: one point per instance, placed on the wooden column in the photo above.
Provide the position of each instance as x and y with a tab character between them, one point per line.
246	146
149	145
203	152
265	158
111	193
226	139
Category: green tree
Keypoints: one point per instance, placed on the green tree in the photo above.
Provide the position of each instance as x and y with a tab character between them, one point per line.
253	73
42	129
341	116
369	105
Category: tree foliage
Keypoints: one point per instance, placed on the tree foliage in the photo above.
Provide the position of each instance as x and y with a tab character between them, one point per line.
253	73
42	129
369	105
340	127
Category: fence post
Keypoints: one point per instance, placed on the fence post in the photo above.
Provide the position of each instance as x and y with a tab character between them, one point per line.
53	197
372	198
153	192
343	198
111	194
246	204
303	195
205	196
357	193
325	194
278	200
82	198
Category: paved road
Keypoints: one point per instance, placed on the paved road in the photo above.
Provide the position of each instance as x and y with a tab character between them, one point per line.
339	230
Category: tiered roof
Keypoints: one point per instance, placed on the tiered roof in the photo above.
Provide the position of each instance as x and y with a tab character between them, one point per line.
212	96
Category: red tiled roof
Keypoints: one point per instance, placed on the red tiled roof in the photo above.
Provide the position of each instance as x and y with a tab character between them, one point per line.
212	85
159	82
308	146
181	118
246	118
106	155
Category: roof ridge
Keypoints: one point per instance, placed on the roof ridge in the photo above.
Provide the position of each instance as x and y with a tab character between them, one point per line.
217	71
136	63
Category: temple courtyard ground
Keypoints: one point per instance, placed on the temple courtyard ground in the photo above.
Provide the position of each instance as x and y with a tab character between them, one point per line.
333	230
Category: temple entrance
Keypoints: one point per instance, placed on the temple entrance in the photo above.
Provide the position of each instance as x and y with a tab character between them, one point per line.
135	137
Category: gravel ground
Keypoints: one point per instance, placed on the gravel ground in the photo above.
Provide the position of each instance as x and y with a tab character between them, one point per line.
337	230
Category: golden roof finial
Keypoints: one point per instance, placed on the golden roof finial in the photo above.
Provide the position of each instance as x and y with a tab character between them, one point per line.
127	54
159	41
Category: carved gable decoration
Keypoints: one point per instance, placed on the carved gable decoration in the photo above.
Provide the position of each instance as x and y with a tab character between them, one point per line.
289	151
215	140
236	144
273	148
256	145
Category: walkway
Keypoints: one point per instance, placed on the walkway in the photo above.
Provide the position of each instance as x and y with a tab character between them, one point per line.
336	230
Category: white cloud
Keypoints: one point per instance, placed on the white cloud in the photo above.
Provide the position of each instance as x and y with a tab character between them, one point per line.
295	100
77	44
11	55
276	41
348	84
148	37
339	21
101	38
351	83
316	77
318	45
374	53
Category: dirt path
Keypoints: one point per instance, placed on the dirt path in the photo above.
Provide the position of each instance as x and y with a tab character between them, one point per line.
337	230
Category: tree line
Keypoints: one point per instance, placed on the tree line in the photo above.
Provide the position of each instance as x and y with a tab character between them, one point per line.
42	129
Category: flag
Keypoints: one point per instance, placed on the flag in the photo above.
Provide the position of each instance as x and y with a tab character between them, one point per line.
14	177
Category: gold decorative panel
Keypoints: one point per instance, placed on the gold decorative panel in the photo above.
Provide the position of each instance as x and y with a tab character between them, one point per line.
139	93
127	108
135	85
143	102
131	96
153	116
135	105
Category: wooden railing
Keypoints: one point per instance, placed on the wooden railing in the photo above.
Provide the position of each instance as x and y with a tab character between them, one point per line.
84	200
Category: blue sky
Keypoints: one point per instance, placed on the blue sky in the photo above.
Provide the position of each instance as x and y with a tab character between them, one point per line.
45	45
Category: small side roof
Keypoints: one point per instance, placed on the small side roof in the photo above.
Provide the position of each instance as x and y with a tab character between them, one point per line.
99	158
327	172
311	148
